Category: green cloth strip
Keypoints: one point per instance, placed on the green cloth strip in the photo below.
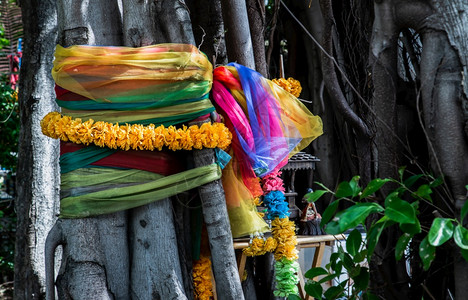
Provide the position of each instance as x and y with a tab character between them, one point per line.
144	118
81	158
93	105
90	177
122	198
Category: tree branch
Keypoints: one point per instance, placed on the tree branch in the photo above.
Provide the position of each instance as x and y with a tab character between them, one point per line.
329	74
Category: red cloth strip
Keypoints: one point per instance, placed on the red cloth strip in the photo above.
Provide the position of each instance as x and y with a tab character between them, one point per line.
65	95
152	161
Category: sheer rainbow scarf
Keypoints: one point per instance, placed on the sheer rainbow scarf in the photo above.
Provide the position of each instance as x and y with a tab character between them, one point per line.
268	125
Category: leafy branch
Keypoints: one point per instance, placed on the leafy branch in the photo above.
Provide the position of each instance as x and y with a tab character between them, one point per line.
396	210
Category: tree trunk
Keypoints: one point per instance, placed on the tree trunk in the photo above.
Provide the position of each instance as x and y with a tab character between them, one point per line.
256	14
208	28
383	63
95	255
38	178
154	273
441	75
216	219
238	41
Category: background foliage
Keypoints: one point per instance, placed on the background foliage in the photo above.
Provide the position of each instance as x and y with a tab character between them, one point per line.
11	30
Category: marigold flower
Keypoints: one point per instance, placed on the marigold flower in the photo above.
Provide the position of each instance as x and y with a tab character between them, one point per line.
290	85
202	283
136	136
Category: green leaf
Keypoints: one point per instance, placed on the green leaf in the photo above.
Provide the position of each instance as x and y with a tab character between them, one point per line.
393	195
411	228
354	184
440	232
344	190
361	281
293	297
464	254
412	180
314	272
347	261
333	292
333	227
353	242
427	253
373	236
314	196
438	181
357	214
460	235
314	289
334	258
464	211
401	245
354	271
329	212
321	185
360	256
373	186
400	211
329	277
401	171
424	191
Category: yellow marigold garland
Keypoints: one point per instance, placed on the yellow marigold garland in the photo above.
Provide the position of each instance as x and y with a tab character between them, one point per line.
202	283
136	137
259	246
283	231
290	85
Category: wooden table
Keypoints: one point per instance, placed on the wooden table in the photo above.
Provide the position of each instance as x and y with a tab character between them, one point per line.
303	241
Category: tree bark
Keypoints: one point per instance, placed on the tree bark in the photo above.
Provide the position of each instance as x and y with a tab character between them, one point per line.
38	179
95	254
238	41
441	92
208	28
383	63
329	73
256	14
154	273
219	232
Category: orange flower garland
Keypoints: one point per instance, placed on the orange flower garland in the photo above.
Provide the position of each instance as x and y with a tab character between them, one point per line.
283	231
290	85
259	246
136	137
202	281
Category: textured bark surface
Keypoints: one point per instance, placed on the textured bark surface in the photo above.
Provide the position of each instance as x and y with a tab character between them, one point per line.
155	266
91	265
442	95
38	178
208	28
256	14
238	41
223	259
95	253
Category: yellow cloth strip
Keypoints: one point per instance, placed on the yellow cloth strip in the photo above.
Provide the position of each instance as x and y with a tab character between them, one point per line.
74	67
116	116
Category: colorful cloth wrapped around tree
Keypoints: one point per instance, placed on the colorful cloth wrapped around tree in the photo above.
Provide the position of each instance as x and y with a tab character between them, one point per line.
128	99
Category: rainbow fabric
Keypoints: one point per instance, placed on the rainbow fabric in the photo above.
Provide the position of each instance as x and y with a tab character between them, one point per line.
169	84
268	124
165	84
